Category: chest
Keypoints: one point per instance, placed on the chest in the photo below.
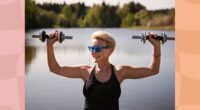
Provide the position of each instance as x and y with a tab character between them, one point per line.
94	88
102	77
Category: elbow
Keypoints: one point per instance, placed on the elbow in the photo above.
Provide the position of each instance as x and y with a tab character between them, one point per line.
155	71
53	70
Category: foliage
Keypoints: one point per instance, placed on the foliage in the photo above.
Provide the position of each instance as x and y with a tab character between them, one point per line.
31	12
48	15
129	21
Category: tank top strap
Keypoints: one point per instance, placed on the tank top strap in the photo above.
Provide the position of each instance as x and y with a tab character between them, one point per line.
112	77
92	73
113	74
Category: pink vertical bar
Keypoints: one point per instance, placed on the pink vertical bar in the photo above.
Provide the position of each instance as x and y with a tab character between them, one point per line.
12	55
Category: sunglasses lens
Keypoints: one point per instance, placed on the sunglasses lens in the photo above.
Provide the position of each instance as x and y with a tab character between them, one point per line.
90	49
98	49
95	49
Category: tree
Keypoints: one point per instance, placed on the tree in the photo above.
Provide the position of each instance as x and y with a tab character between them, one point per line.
56	8
47	19
143	17
93	17
31	15
129	21
62	21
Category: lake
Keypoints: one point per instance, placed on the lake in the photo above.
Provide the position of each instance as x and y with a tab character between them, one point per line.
47	91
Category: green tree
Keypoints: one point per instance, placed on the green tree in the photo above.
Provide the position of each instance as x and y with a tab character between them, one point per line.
47	19
130	7
67	11
171	13
50	15
56	8
109	16
139	7
122	12
93	17
62	21
129	21
143	17
31	15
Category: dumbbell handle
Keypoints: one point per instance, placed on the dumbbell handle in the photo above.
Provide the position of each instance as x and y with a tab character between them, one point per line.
38	36
64	37
170	38
67	37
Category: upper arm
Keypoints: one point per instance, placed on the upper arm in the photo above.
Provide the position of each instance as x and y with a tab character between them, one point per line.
73	72
129	72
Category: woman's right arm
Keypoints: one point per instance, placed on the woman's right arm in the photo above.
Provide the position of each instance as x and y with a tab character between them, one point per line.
81	72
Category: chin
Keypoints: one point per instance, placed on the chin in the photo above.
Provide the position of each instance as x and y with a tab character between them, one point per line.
96	61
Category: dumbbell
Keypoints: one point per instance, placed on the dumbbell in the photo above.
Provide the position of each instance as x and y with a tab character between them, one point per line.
163	37
43	36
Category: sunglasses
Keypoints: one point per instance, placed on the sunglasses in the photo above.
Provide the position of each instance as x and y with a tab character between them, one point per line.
97	48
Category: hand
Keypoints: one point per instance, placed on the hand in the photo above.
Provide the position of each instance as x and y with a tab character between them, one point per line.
53	38
155	43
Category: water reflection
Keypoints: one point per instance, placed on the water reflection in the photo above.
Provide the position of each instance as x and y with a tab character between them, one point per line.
30	55
75	48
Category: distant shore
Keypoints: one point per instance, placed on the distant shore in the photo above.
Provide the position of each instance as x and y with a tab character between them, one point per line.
154	28
170	28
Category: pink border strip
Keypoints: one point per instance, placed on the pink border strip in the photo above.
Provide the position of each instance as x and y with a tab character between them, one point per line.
12	55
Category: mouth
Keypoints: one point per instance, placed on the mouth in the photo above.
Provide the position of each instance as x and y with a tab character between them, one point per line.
96	57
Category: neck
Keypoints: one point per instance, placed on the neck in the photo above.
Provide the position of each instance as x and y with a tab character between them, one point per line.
103	66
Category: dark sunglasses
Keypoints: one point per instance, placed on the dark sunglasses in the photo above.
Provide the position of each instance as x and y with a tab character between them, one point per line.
97	48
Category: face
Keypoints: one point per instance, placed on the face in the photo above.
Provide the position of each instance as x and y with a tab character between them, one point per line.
102	55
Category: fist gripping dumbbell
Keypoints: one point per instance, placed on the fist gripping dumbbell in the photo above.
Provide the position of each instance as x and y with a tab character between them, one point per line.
43	36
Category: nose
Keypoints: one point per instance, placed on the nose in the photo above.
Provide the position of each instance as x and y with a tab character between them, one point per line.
94	53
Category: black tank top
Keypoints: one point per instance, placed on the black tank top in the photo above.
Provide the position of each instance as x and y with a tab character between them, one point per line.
102	96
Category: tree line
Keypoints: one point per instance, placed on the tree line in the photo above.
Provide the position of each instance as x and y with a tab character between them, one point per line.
53	15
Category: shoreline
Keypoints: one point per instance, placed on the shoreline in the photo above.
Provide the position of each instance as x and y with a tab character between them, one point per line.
171	28
167	28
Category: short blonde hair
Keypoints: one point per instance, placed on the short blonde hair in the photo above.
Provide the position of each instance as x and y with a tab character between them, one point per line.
104	36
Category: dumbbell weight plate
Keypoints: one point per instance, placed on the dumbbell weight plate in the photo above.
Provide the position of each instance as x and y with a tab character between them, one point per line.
60	39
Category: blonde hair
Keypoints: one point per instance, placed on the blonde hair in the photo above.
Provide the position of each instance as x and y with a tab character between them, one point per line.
104	36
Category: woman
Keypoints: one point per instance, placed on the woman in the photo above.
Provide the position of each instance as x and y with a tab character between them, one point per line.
102	82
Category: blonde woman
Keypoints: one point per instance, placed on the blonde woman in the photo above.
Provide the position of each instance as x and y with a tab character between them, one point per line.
102	82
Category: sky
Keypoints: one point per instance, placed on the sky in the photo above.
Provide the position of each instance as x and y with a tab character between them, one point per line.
150	4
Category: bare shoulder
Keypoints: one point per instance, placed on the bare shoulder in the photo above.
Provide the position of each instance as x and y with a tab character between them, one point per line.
121	68
120	71
84	67
86	70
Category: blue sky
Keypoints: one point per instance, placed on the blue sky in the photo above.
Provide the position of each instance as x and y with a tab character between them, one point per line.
150	4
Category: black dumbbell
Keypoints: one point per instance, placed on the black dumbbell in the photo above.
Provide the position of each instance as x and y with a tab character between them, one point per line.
43	36
163	38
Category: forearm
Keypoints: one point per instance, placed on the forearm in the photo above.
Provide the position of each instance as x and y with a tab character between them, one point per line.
53	64
156	57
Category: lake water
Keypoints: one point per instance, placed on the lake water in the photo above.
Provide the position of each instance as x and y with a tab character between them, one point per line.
47	91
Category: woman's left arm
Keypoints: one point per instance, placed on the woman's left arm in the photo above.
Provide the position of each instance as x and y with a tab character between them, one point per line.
129	72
